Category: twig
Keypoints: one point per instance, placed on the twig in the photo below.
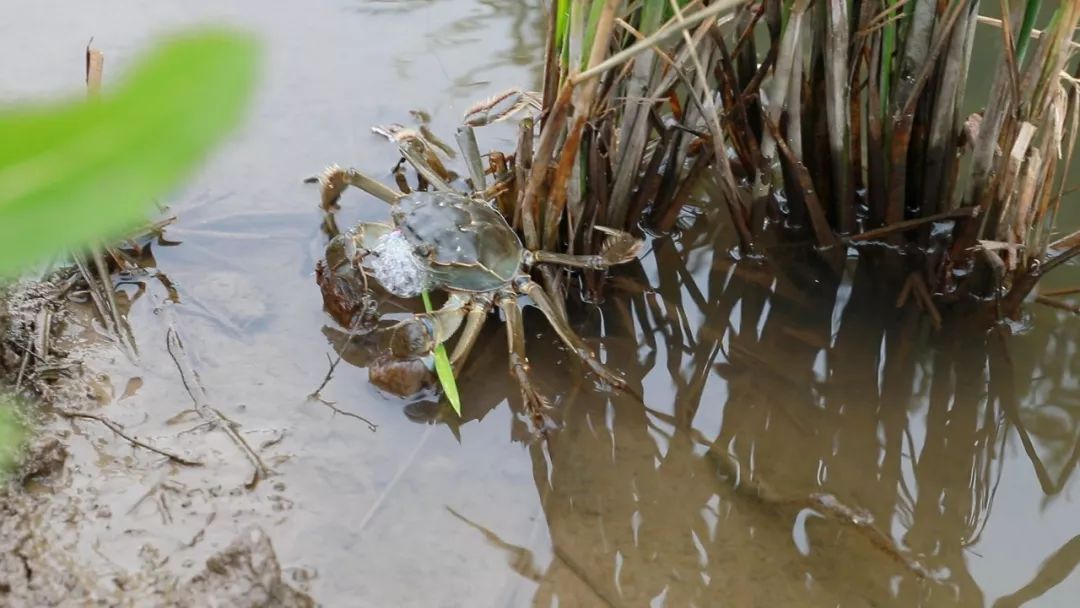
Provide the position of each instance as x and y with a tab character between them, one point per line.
330	404
1034	32
661	35
195	390
22	369
29	349
315	396
1058	259
123	333
1060	291
326	380
1053	303
112	426
906	225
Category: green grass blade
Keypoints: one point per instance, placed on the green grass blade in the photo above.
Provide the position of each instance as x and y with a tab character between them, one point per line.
590	31
888	48
443	369
562	24
71	174
1031	11
12	435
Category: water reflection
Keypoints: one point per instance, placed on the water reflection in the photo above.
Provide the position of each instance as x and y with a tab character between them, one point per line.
442	31
806	442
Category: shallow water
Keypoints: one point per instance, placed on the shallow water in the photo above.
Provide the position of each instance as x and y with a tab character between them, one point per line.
786	454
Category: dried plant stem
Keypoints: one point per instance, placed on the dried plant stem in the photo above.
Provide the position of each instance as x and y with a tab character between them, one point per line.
115	428
663	34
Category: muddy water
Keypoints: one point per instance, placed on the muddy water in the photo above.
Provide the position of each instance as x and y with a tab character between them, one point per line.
798	444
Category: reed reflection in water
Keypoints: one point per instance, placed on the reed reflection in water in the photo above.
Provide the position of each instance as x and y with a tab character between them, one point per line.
812	445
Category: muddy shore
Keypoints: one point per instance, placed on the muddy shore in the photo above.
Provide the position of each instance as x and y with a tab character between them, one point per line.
50	503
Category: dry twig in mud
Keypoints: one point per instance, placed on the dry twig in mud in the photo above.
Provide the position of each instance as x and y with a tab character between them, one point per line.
28	352
316	395
112	426
202	407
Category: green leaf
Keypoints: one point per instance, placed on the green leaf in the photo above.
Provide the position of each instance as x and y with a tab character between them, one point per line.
595	11
74	173
562	19
443	369
12	435
1023	38
888	47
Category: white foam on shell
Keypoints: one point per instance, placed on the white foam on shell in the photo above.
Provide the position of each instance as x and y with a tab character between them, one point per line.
396	267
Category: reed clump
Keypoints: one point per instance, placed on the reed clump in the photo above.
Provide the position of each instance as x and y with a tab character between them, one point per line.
834	123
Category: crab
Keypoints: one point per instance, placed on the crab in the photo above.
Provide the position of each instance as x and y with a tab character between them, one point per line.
460	245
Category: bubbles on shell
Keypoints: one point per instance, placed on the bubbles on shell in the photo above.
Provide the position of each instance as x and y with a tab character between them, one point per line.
396	267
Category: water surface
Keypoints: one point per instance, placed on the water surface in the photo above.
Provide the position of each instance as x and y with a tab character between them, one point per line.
798	443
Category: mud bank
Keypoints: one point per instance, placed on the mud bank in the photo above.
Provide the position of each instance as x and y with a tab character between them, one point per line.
58	536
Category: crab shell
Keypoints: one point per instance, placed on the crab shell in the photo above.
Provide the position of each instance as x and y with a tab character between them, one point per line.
466	244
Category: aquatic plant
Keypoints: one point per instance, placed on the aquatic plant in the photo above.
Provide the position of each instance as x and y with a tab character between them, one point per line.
834	123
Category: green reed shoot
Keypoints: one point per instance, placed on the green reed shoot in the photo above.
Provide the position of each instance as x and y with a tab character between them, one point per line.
443	369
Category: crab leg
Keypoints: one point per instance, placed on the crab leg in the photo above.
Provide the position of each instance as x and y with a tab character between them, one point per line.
334	180
420	334
479	306
535	403
536	293
619	247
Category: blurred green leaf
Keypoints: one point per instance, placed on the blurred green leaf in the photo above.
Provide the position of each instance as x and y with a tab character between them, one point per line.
12	434
82	171
443	369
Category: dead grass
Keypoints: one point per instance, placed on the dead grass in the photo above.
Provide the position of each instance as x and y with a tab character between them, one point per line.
810	121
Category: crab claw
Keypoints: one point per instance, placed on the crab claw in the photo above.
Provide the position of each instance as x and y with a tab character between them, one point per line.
344	293
619	247
403	377
418	335
332	183
412	337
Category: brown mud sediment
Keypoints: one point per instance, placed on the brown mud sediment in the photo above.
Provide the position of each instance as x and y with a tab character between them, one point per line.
72	452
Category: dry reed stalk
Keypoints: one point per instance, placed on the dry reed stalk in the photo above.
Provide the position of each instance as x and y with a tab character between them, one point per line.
844	124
